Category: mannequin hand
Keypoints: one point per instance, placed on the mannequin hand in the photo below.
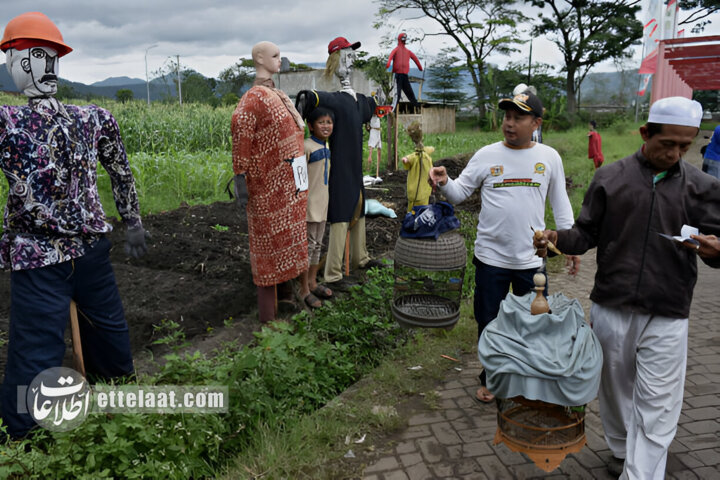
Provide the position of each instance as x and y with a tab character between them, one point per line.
135	242
302	103
241	191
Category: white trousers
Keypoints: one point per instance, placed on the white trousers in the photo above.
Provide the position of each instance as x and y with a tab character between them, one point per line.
641	388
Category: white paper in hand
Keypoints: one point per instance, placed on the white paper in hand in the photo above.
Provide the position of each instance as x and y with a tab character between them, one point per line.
684	236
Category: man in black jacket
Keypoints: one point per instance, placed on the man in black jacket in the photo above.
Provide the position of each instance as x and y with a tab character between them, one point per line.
644	281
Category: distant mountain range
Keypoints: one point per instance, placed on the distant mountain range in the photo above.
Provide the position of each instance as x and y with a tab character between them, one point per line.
603	87
104	88
117	81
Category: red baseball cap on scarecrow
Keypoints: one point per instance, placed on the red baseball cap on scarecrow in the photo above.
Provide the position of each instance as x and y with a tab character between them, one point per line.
341	42
33	29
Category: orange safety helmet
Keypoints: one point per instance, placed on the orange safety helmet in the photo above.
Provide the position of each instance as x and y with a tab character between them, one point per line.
33	29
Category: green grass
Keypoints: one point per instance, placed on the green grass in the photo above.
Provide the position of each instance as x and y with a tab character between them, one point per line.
465	139
312	446
275	430
181	154
162	128
164	181
289	372
617	142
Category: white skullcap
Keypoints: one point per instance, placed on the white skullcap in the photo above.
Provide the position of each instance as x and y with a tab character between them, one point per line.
521	88
676	111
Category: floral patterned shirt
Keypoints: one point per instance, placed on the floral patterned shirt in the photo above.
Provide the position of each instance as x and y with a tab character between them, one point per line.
49	154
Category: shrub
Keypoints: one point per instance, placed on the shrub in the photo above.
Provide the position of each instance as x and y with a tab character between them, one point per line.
287	372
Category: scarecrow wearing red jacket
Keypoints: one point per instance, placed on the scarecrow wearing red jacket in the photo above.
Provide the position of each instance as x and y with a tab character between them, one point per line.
400	59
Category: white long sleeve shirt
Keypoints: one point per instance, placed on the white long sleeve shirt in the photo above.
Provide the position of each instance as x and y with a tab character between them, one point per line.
514	184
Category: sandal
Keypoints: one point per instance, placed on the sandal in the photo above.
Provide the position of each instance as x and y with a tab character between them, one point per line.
321	291
483	395
312	301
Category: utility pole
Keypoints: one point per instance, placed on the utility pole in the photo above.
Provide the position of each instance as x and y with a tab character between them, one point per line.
178	79
147	79
529	63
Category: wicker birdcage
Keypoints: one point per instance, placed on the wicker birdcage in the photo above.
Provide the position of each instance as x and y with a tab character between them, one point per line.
545	432
428	280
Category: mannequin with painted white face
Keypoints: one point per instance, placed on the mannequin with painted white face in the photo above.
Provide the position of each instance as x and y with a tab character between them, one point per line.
344	70
54	231
346	212
34	70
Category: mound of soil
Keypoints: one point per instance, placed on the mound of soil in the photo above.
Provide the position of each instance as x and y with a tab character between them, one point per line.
197	273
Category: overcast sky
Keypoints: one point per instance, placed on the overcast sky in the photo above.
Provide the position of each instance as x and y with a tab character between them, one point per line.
110	38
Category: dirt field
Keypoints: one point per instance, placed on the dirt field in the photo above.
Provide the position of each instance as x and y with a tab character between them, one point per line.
197	274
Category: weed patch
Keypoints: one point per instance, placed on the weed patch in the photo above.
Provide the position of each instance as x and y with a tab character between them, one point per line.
290	371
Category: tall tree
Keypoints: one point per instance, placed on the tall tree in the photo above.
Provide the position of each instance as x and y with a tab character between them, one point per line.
699	11
374	68
478	27
542	76
167	76
236	77
196	88
124	95
588	32
445	80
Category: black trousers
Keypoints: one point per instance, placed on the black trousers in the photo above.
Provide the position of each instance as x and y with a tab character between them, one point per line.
492	284
403	85
39	312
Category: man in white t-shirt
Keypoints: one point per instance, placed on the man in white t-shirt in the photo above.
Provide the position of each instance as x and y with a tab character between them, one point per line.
515	177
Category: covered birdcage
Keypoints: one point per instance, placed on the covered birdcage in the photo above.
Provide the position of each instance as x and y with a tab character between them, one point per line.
543	363
428	280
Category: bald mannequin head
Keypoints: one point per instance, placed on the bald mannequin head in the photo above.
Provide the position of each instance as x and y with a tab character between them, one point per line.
266	57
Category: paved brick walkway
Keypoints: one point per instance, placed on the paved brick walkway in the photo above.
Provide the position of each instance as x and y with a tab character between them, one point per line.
455	441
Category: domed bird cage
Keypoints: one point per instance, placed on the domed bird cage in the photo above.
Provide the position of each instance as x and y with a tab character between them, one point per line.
428	281
545	432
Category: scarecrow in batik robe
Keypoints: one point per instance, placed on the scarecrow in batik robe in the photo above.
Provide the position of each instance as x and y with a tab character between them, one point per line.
271	182
54	232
